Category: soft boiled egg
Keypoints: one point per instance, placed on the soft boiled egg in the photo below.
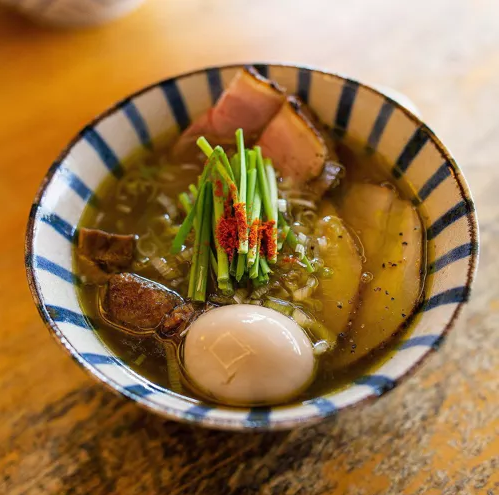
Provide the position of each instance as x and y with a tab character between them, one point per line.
248	355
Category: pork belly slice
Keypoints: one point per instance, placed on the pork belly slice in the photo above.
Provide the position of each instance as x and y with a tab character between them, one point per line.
297	149
249	103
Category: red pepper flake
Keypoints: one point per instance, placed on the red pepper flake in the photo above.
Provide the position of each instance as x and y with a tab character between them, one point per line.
253	236
219	188
290	259
233	192
268	247
242	226
228	208
226	233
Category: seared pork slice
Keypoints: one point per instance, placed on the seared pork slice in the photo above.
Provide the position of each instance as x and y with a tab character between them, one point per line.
110	252
391	234
296	147
340	255
137	302
249	103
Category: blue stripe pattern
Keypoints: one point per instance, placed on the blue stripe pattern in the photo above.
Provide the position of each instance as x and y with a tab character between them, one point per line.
259	416
453	255
434	181
176	102
304	78
262	69
198	411
325	406
411	149
422	340
91	358
60	225
138	389
45	264
345	105
105	153
379	125
78	186
138	123
63	315
448	218
214	83
451	296
379	383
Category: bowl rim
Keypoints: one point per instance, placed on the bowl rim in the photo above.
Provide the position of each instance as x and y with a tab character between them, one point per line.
227	423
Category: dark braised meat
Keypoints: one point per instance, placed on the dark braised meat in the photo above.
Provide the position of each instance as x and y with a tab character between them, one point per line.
110	252
178	319
137	302
328	179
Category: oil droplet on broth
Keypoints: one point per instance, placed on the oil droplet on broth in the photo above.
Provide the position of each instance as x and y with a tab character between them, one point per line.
366	277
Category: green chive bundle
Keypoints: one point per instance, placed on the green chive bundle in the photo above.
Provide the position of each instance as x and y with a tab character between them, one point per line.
246	187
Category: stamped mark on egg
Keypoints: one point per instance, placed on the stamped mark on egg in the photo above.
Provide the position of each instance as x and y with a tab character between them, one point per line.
228	351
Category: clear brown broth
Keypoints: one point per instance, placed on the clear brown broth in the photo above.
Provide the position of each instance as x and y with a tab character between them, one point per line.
146	355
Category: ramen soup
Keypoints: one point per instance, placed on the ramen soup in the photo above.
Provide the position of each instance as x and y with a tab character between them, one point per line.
255	260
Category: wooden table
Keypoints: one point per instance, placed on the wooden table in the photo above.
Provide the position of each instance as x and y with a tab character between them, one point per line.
63	433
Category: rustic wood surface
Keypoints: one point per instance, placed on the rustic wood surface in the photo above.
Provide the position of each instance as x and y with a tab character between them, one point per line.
63	433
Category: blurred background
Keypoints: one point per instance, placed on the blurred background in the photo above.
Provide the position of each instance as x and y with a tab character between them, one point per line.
62	433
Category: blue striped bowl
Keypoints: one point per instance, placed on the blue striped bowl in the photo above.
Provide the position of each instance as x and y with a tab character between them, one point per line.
381	123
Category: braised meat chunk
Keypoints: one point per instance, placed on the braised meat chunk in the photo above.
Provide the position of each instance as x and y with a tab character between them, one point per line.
137	302
178	319
110	252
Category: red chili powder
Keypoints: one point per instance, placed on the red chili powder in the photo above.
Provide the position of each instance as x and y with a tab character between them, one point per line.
268	247
233	192
253	236
219	188
242	226
226	233
290	259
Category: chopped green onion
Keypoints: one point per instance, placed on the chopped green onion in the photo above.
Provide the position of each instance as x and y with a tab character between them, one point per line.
194	190
255	215
272	182
250	195
264	266
203	264
223	260
234	161
205	146
227	165
254	269
243	243
270	209
185	201
282	205
241	266
293	242
188	222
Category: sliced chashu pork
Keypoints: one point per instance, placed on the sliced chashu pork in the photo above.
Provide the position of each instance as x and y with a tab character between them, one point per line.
249	102
340	291
392	237
297	149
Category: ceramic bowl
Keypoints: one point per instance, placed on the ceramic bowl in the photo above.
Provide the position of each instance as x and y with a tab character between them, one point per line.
378	121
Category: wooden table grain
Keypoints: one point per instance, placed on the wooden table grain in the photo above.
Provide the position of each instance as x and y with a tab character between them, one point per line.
63	433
